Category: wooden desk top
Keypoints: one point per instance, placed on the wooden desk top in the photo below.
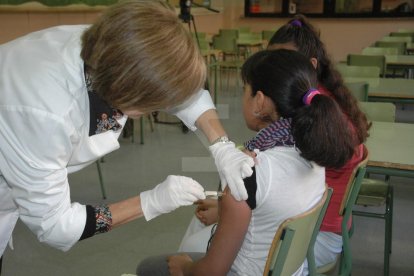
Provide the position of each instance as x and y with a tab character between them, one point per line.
391	145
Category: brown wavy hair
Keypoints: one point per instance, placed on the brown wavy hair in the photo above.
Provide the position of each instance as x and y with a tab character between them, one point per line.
306	39
142	57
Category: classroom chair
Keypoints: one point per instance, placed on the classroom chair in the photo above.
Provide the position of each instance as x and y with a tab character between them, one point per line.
310	255
378	192
368	60
101	182
400	45
291	241
403	34
347	204
229	33
244	29
267	34
378	111
229	48
359	90
378	51
398	38
402	50
357	71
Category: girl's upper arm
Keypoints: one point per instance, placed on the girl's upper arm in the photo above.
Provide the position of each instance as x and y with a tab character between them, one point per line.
234	219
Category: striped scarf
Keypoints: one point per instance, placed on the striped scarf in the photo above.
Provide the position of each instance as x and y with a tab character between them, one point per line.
276	134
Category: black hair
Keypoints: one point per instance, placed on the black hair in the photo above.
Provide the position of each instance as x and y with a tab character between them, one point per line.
320	130
306	39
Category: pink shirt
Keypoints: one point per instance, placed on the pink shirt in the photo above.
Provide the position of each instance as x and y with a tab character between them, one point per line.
338	179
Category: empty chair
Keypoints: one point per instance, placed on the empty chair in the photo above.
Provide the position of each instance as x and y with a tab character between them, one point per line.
101	181
356	71
227	44
378	51
378	111
229	33
244	29
267	34
397	38
402	50
400	45
250	36
378	192
199	35
291	241
359	90
229	48
368	60
403	34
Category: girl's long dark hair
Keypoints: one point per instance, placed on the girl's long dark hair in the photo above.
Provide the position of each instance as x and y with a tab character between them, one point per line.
304	36
321	130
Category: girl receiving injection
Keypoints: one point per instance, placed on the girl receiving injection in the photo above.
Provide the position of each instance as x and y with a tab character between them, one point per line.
296	139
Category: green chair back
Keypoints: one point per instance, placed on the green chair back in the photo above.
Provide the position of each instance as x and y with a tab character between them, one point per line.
227	45
250	36
401	46
356	71
359	90
291	241
378	51
310	256
403	34
347	205
203	44
367	60
267	34
200	35
345	210
229	33
378	111
398	38
244	29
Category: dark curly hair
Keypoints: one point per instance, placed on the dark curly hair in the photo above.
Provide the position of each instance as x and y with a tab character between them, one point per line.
306	39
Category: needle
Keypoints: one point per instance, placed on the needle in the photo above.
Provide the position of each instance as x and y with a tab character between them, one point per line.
213	194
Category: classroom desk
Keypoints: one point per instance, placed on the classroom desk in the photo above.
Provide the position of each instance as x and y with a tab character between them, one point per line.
396	90
391	149
401	62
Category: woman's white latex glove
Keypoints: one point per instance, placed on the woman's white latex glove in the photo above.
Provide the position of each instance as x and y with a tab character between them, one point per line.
167	196
233	165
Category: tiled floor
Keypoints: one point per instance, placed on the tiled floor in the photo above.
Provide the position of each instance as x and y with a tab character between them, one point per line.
167	150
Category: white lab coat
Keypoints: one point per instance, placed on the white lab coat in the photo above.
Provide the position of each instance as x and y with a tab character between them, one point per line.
44	134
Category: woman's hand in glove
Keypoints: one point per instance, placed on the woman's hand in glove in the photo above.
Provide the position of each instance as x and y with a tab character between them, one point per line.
167	196
233	165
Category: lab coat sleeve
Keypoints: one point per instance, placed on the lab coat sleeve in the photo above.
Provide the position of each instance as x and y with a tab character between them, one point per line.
192	109
37	146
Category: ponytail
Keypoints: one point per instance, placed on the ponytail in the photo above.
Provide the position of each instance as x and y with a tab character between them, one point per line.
322	132
320	128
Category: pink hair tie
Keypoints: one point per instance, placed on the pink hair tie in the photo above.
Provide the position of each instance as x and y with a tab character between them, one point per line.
307	98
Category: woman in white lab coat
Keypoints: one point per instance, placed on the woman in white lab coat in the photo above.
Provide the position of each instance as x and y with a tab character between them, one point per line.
65	94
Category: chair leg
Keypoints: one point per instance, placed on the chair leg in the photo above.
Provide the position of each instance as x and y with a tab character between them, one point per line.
388	230
391	211
141	126
98	165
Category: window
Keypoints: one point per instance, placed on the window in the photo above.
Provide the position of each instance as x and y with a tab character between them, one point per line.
330	8
354	6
